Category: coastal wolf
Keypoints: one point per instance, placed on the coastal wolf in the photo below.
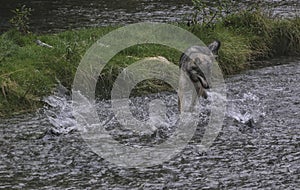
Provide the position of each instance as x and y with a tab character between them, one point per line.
195	65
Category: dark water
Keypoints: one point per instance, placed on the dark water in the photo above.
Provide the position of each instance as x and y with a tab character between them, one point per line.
258	147
56	15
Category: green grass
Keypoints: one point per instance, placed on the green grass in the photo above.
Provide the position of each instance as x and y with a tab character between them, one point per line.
29	72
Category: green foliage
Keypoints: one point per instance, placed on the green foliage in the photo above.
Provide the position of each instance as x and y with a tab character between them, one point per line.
7	47
256	26
207	13
286	37
29	72
235	50
20	20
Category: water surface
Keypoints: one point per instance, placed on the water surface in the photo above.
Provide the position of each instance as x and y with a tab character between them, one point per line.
258	146
56	15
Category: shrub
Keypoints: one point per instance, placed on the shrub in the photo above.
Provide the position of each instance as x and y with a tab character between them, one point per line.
20	19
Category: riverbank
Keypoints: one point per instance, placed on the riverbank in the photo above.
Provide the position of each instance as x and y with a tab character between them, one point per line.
29	72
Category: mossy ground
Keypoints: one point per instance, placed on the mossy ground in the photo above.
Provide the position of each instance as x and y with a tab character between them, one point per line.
29	72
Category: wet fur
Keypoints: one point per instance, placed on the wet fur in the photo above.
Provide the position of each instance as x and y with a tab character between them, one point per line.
195	63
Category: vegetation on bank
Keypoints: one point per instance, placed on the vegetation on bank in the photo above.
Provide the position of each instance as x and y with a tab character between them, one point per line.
29	72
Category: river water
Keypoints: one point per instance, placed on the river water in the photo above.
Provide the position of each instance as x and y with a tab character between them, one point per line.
57	15
258	146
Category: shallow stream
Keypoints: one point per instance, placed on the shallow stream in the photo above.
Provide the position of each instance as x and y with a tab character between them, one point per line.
258	146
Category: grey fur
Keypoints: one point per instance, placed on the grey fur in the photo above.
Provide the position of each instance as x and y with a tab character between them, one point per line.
196	63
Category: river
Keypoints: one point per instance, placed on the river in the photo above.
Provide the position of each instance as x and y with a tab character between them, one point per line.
56	15
257	148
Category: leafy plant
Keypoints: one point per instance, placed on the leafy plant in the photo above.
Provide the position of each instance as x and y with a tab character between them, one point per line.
20	20
207	13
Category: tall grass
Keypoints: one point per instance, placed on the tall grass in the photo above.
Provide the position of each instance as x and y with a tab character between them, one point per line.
286	37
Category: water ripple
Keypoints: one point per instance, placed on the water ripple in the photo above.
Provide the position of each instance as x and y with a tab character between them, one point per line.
263	155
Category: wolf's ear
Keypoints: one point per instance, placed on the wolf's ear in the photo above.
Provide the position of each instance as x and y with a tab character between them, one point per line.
215	46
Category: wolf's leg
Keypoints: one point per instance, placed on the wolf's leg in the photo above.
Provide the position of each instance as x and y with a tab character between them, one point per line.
183	91
196	94
179	103
180	92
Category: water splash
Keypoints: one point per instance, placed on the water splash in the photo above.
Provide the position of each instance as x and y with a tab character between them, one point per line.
246	110
161	122
61	115
59	111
